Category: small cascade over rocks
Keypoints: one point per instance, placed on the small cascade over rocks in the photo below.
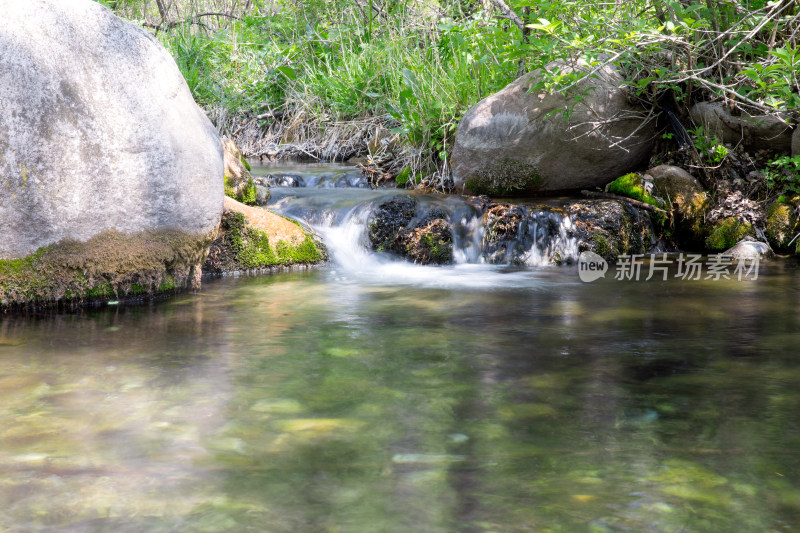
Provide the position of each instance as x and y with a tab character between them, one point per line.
315	175
372	229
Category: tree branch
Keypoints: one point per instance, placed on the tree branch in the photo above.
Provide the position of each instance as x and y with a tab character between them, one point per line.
510	14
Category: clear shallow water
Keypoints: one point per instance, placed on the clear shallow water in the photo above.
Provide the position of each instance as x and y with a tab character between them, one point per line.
509	401
379	396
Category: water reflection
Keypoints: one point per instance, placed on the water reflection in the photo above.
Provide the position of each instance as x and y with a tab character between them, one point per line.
309	402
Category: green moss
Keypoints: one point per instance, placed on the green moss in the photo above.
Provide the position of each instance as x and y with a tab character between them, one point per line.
439	250
782	225
167	285
726	232
507	178
230	192
110	264
251	247
104	290
630	186
246	164
403	176
602	247
305	252
246	194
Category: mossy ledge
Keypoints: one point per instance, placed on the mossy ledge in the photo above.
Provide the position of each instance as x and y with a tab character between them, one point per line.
507	178
109	266
241	247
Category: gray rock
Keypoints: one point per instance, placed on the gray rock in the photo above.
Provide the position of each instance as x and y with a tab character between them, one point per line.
767	131
517	142
796	142
98	131
263	195
670	181
749	250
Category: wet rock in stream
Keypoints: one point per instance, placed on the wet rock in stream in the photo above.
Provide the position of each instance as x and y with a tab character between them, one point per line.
394	227
544	234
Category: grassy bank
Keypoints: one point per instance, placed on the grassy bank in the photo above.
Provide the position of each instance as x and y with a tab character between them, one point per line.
336	78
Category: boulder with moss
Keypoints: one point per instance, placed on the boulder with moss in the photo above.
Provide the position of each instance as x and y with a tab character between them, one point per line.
395	227
252	239
685	198
388	220
611	228
520	140
429	241
112	176
726	232
782	225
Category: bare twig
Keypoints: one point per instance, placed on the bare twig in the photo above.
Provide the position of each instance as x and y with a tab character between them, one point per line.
611	196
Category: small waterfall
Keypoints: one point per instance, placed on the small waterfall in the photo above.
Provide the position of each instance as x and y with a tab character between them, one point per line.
486	236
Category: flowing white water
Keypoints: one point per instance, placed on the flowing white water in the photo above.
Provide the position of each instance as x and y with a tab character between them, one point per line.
341	217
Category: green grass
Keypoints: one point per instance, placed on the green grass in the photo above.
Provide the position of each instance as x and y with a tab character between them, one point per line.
418	80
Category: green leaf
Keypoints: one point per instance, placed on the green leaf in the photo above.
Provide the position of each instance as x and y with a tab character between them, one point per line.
409	77
289	72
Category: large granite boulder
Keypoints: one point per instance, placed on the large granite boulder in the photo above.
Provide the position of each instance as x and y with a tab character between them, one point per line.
751	131
517	141
100	136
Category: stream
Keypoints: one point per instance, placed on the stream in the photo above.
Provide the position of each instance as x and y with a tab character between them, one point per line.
374	395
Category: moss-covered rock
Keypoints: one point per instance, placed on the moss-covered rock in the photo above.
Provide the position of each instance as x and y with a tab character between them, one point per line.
686	200
110	265
506	178
726	232
240	247
632	186
394	227
390	219
239	183
781	225
518	234
429	243
611	228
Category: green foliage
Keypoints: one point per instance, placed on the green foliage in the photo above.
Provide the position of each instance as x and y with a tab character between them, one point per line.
419	65
403	176
783	174
719	49
710	148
